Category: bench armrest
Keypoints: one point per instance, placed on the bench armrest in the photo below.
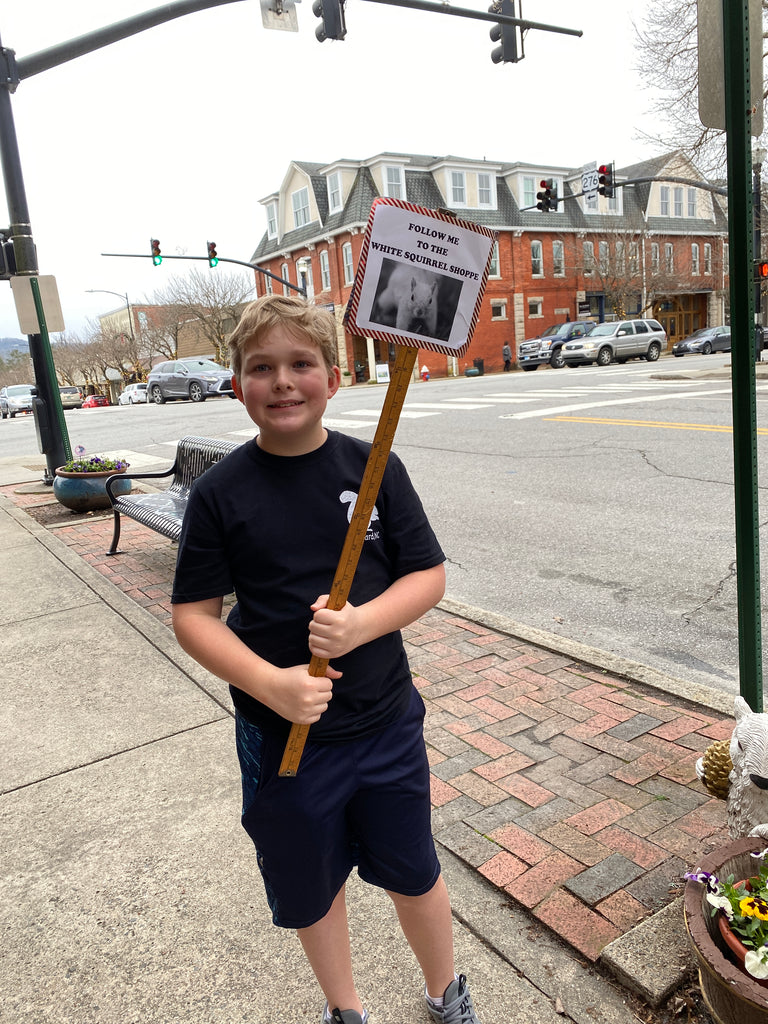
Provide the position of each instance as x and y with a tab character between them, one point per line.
134	476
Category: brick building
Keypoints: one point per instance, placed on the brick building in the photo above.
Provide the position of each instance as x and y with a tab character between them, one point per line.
657	248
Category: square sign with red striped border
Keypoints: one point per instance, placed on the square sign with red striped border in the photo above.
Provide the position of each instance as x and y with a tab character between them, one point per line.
421	277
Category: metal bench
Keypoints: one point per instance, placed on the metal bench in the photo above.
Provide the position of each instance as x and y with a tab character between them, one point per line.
164	511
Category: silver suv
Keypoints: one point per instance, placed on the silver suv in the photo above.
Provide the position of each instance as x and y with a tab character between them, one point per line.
195	379
16	398
617	342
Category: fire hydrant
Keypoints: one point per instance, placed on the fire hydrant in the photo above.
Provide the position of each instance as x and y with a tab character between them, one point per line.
425	373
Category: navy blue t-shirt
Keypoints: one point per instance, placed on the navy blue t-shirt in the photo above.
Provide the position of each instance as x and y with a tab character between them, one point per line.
270	529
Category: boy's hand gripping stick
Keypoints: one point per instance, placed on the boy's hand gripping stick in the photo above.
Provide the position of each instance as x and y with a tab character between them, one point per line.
405	359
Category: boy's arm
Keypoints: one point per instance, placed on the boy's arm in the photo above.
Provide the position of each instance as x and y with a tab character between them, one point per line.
333	633
291	692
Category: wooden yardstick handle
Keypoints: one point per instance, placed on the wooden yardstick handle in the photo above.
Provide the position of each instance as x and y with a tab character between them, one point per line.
405	359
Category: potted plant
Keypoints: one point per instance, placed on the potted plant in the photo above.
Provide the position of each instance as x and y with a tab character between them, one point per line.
80	483
726	914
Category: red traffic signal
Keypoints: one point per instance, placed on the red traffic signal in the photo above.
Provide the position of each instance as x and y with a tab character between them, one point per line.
547	196
761	270
157	259
605	172
213	259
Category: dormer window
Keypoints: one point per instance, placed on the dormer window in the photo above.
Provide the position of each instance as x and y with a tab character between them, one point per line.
300	204
334	192
272	220
393	183
484	190
458	189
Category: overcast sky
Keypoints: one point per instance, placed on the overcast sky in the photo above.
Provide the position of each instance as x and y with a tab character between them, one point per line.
179	131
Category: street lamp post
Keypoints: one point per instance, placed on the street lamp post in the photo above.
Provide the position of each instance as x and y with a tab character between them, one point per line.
120	295
758	157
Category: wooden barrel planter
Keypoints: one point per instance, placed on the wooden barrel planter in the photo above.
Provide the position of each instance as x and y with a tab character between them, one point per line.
732	996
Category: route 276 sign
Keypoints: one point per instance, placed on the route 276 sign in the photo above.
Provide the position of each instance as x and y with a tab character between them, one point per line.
590	180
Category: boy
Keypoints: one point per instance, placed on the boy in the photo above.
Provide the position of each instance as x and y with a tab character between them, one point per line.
269	522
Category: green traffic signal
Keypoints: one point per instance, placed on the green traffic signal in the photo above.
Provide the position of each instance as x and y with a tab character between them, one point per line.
157	259
213	259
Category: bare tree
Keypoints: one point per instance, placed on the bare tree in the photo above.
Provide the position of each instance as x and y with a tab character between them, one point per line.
16	368
211	300
668	64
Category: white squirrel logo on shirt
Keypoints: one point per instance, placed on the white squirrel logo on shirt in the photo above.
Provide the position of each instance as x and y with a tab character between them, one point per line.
351	498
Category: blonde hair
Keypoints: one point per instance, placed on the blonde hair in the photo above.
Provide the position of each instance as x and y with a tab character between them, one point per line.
296	315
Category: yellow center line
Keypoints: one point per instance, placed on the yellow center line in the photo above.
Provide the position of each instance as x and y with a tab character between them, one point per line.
648	423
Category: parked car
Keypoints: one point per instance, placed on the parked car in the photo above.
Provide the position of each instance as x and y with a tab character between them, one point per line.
704	341
547	346
71	397
134	394
619	340
195	379
16	398
95	402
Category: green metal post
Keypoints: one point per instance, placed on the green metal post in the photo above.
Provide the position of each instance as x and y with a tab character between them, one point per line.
740	226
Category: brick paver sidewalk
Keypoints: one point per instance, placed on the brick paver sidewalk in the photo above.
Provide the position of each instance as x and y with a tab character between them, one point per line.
572	791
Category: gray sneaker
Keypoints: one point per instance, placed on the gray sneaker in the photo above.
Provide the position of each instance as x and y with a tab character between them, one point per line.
457	1005
343	1017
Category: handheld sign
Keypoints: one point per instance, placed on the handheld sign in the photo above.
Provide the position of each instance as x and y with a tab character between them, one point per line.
419	284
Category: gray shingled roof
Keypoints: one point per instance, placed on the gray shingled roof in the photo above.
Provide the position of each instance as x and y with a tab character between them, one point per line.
422	189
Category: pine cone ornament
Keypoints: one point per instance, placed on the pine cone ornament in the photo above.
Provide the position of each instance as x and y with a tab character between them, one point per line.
714	767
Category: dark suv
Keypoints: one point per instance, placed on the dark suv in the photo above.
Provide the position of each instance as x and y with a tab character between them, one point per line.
547	347
195	379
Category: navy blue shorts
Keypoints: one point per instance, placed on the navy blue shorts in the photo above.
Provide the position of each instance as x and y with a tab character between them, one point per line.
364	803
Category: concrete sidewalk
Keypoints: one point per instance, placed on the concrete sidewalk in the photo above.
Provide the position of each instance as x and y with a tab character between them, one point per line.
566	809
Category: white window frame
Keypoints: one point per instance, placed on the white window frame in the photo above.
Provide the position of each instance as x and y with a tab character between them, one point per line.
300	207
695	262
707	258
692	197
677	201
268	289
458	188
335	196
604	256
634	258
535	307
482	188
285	277
588	256
655	257
494	269
325	271
669	257
347	261
394	182
558	262
529	190
272	220
498	309
664	200
534	259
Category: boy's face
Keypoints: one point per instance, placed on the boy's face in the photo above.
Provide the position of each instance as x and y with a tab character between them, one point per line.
285	386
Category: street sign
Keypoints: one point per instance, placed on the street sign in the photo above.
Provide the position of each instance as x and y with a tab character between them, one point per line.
279	14
25	304
712	64
590	179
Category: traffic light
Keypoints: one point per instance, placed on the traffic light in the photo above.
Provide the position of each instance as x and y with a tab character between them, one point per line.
332	13
761	270
547	196
157	259
504	34
7	259
605	172
213	259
